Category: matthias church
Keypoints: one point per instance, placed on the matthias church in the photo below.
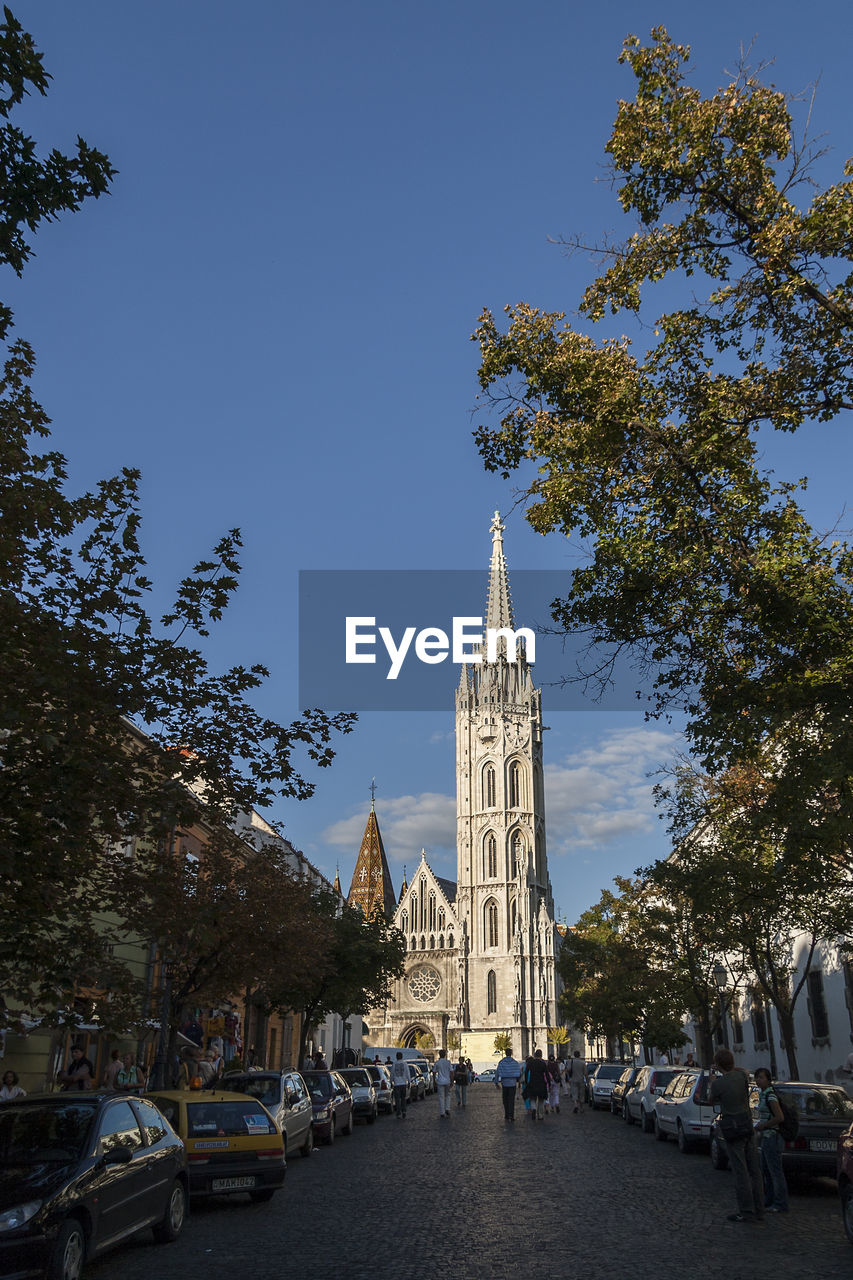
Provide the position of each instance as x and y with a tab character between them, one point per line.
481	949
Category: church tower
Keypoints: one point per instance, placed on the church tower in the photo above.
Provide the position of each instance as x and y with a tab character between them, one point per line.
371	888
506	963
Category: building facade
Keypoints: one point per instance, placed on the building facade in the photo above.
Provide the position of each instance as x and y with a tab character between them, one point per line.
481	950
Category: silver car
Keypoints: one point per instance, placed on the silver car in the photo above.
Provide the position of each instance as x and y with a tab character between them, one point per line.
365	1104
286	1097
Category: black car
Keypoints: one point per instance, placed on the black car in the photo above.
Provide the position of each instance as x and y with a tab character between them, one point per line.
79	1173
620	1088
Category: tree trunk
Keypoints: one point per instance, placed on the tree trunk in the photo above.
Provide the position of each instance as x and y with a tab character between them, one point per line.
786	1026
706	1039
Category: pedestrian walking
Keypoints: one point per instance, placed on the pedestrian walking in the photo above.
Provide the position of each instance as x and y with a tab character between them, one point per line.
461	1080
577	1081
507	1077
111	1071
554	1086
400	1081
537	1081
11	1089
129	1079
79	1074
771	1143
443	1079
730	1091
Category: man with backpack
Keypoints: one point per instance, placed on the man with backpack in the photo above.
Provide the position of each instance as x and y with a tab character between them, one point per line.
770	1128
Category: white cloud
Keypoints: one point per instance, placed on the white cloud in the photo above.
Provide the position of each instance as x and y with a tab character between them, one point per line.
408	824
602	794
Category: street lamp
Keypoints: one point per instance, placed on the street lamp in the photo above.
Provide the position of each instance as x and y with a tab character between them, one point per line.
721	978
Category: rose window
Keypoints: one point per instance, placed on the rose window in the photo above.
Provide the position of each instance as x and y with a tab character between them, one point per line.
425	984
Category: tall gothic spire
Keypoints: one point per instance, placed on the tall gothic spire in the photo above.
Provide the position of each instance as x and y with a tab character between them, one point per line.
498	603
371	887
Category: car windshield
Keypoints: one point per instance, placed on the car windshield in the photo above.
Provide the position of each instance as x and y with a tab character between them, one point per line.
357	1076
610	1072
226	1119
31	1133
818	1104
319	1084
267	1089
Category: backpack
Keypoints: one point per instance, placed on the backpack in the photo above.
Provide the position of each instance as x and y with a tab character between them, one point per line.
790	1125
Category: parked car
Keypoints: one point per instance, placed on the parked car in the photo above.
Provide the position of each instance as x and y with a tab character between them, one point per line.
825	1114
80	1173
417	1084
488	1076
639	1102
232	1142
601	1083
364	1102
285	1096
381	1077
620	1087
332	1103
423	1068
684	1111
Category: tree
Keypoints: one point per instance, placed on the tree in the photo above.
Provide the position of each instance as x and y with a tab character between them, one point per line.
360	959
701	567
503	1042
559	1036
85	663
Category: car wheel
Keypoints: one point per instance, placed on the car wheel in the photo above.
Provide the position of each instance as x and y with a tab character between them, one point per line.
69	1252
263	1196
847	1210
647	1123
659	1133
684	1143
347	1128
171	1224
331	1136
626	1113
719	1156
308	1145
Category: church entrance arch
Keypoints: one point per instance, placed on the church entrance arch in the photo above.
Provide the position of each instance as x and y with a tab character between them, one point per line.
409	1036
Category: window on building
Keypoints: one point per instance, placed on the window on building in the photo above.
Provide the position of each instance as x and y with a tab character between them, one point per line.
513	916
737	1024
491	859
404	922
450	939
517	848
432	942
441	918
492	992
431	924
489	794
759	1019
817	1005
491	922
516	786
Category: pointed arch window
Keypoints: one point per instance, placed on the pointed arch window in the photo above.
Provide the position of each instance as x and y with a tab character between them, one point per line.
491	992
489	787
404	922
431	924
423	943
441	919
450	939
441	942
490	922
490	860
513	917
413	944
516	785
432	942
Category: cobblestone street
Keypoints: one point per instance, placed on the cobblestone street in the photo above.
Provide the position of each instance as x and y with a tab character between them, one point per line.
470	1197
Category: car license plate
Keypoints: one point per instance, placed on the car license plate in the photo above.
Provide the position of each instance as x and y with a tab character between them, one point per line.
821	1144
231	1184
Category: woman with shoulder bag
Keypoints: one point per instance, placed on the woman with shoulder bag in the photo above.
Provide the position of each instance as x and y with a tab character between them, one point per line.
730	1092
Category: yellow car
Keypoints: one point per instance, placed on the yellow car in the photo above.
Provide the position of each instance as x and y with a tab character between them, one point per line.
231	1140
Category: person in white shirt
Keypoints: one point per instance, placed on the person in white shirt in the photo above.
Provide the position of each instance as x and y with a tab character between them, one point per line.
400	1081
443	1079
11	1089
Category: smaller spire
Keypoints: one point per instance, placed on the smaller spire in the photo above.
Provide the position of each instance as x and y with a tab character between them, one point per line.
372	795
337	884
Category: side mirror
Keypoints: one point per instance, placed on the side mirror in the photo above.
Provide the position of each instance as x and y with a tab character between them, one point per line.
118	1155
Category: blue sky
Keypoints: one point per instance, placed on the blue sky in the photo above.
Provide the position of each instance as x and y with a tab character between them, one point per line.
270	316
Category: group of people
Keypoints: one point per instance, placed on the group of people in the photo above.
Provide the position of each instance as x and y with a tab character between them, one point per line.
754	1146
541	1082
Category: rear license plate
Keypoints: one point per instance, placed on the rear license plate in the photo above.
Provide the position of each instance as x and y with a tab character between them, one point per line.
821	1144
231	1184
